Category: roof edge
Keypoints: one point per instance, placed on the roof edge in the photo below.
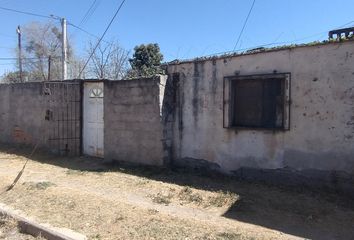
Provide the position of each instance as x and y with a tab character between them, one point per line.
256	51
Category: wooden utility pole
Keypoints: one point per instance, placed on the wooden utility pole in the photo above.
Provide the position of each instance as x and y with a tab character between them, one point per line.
49	63
19	52
64	49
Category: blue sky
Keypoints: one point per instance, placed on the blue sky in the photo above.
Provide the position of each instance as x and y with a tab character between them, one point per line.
184	28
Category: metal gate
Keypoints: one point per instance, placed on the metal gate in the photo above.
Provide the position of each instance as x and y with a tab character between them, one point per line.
63	114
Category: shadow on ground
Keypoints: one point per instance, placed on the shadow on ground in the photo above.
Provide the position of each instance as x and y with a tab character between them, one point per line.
301	212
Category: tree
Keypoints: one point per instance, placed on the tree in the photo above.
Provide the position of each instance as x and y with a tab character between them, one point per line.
109	61
41	41
12	76
146	61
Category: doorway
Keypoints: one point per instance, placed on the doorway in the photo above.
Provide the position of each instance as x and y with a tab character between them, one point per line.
93	123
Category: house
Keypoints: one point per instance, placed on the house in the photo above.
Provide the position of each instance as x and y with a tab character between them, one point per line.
269	114
281	115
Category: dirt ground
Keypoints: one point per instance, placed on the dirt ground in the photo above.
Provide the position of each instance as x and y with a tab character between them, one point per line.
118	202
10	231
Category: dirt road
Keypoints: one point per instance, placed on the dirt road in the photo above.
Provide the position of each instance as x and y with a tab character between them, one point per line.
116	202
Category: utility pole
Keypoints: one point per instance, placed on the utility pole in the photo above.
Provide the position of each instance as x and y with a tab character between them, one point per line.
64	49
19	52
49	63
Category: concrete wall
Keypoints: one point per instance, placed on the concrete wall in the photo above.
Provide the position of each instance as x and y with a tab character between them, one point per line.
29	116
321	135
132	119
22	113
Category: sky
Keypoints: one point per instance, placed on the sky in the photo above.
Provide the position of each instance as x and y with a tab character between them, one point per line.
183	28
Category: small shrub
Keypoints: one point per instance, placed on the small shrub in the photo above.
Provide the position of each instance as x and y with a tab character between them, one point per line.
228	236
161	198
187	195
222	198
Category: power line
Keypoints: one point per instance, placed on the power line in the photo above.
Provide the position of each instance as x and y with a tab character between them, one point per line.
244	24
8	36
104	33
278	43
258	46
28	13
85	31
313	35
28	58
7	64
48	17
89	12
346	24
7	47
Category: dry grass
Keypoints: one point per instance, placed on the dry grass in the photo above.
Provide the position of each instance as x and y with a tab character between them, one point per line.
9	230
143	203
7	224
188	196
38	185
161	198
197	198
222	198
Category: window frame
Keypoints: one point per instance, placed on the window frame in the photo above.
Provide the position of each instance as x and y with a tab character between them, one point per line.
228	106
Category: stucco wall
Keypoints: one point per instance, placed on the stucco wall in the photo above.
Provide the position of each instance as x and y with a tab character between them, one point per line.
321	134
132	118
23	111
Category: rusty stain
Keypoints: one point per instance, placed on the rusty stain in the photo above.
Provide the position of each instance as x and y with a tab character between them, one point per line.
21	136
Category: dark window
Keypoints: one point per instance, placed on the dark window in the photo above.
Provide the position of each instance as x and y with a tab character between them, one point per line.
258	101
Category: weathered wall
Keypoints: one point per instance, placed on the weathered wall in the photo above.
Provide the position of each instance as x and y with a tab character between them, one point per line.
321	135
22	113
30	115
132	118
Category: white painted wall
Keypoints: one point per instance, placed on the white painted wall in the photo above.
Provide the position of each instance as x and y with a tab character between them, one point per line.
321	132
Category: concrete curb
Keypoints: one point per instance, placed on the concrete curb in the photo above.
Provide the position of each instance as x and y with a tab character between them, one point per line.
29	227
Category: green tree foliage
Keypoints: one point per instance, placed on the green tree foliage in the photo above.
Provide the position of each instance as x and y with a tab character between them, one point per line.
146	61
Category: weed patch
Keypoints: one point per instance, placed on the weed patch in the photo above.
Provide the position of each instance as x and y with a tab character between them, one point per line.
75	172
221	199
160	198
228	236
38	185
187	195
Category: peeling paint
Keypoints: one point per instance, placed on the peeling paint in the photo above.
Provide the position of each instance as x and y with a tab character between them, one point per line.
321	112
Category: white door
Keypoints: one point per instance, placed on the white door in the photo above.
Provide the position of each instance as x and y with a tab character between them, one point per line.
93	119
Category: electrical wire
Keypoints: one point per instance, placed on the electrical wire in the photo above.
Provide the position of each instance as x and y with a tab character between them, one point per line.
244	24
87	12
278	43
90	12
104	33
7	64
7	47
48	17
27	58
28	13
8	36
85	31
